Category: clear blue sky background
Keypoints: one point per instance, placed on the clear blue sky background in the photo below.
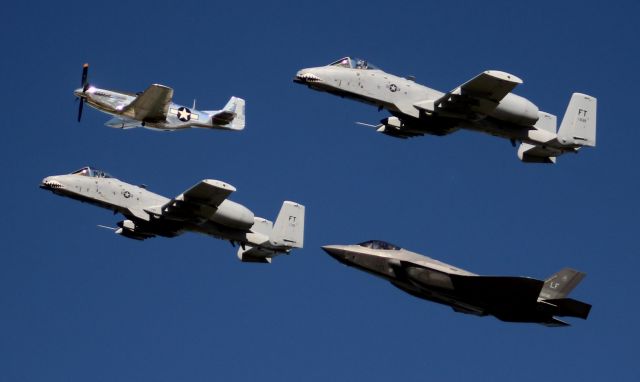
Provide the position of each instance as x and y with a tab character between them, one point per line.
80	303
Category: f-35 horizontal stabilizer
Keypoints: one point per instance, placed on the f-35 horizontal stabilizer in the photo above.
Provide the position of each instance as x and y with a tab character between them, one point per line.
555	323
568	307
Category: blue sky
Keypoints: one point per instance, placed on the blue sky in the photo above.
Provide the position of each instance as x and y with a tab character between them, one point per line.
80	303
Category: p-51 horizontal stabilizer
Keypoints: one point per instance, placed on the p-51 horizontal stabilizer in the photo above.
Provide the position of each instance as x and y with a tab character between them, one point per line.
232	116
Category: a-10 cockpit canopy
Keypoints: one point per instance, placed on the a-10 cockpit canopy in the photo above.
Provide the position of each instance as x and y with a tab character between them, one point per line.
353	63
91	172
379	244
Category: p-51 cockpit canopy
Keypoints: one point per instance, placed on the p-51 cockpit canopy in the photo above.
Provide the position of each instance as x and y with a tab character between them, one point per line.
91	172
379	244
353	63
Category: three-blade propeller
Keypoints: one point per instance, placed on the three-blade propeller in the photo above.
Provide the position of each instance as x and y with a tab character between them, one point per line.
85	86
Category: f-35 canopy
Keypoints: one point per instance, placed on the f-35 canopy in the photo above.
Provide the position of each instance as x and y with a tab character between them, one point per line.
379	244
353	63
91	172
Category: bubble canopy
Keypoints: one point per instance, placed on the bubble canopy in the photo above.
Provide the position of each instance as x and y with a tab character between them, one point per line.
379	244
91	172
353	63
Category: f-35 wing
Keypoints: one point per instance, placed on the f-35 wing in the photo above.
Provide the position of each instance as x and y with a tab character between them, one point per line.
478	96
199	202
152	105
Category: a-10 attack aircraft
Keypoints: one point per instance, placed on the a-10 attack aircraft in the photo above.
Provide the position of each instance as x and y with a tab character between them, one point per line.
484	103
154	110
203	208
513	299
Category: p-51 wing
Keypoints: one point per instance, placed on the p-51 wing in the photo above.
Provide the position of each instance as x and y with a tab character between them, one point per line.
123	123
478	96
152	105
199	202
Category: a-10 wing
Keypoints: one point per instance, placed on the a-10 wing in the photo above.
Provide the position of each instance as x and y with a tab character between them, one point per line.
152	105
480	95
199	201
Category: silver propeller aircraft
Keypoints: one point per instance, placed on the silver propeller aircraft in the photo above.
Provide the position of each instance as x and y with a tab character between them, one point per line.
203	208
513	299
154	110
484	103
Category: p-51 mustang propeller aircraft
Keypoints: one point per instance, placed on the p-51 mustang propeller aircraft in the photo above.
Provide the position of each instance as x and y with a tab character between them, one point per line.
203	208
484	103
153	109
513	299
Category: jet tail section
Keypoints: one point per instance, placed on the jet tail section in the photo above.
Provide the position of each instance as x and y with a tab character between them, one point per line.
561	284
269	240
568	307
578	126
288	230
232	116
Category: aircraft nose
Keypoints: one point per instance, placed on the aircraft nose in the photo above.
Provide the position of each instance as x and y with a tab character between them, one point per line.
305	76
50	183
335	251
78	92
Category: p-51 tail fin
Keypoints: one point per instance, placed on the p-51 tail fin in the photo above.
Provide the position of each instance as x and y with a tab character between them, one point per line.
232	116
579	122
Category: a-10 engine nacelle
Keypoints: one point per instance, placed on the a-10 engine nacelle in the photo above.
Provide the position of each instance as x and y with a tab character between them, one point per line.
234	215
516	109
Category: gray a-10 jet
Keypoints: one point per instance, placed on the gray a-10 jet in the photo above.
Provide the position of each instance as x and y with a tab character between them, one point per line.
513	299
203	208
154	110
484	103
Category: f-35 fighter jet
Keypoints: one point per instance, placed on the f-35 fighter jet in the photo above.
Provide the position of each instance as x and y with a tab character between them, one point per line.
484	103
154	110
513	299
203	208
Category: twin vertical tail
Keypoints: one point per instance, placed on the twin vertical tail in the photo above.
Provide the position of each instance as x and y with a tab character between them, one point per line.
281	237
578	126
288	230
555	291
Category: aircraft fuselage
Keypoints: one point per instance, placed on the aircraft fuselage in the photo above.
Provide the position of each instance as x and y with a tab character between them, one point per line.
114	103
514	299
513	118
230	221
